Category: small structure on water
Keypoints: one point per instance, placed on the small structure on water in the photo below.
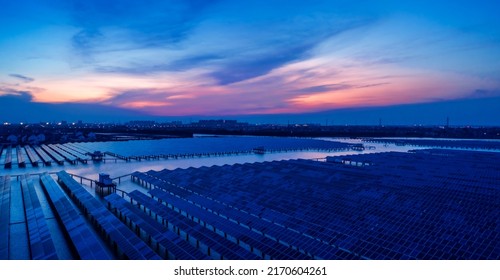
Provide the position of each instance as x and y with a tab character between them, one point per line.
259	150
97	156
358	147
105	185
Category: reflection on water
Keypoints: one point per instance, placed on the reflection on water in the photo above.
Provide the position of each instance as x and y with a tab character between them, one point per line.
119	168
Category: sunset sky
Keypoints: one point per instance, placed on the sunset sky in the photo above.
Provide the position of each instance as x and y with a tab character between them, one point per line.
224	58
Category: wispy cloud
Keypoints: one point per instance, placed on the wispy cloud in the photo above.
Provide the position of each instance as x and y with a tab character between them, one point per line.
324	88
247	57
22	78
149	24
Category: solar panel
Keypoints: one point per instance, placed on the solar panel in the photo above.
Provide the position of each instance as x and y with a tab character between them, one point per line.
127	242
309	247
8	157
173	246
4	216
32	156
426	204
84	240
216	246
40	240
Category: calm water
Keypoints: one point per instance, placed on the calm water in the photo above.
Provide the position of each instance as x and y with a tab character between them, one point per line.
211	144
197	144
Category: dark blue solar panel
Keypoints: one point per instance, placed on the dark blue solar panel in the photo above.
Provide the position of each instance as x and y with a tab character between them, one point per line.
20	158
43	155
82	237
32	156
4	216
463	144
41	245
57	157
173	245
309	247
431	204
8	157
127	242
223	248
253	241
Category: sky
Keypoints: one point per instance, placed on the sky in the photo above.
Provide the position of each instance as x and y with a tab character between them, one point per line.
215	58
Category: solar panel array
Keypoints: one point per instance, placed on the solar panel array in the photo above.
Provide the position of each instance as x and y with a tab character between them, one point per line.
426	204
20	159
168	244
83	239
430	204
33	157
8	157
62	153
443	143
47	160
40	240
57	157
123	238
4	216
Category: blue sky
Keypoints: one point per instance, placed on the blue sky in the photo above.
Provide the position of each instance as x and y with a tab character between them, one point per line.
245	58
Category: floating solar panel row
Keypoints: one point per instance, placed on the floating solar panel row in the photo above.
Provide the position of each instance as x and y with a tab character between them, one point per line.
40	240
268	194
57	157
68	150
253	240
20	158
434	192
8	157
32	155
463	144
220	205
166	243
78	148
256	243
4	216
83	239
60	152
303	246
73	150
209	242
425	199
123	238
284	222
47	160
276	218
448	165
415	206
159	212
